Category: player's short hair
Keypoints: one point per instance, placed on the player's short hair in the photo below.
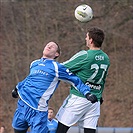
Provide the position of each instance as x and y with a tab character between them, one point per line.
97	36
50	108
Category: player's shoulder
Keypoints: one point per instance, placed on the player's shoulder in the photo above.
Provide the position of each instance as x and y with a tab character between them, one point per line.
101	52
34	62
82	52
57	64
55	120
105	54
106	57
80	56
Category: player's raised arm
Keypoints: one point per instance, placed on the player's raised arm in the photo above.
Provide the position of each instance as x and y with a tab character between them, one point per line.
69	77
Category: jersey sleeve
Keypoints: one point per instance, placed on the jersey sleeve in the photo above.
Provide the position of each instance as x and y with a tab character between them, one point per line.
74	64
33	64
20	84
67	76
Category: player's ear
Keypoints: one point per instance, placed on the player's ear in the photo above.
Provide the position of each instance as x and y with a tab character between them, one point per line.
91	40
56	55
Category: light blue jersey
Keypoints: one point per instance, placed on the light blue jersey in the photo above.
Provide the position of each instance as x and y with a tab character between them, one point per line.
45	74
52	125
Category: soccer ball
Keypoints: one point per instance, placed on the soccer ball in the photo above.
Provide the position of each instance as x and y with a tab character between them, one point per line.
83	13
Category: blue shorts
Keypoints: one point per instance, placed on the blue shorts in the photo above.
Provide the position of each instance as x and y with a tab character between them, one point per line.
25	117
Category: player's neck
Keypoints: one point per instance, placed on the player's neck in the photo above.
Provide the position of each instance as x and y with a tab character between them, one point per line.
46	57
94	48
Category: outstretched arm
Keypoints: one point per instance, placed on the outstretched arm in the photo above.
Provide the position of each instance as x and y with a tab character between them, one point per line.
67	76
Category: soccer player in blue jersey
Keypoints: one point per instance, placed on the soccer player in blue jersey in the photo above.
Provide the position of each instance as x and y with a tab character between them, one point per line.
52	123
37	88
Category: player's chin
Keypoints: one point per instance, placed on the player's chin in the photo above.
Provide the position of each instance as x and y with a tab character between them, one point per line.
87	45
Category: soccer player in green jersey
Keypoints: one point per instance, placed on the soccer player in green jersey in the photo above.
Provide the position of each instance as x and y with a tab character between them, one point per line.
92	67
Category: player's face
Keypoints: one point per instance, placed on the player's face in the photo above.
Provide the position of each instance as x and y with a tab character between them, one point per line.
50	50
50	114
88	40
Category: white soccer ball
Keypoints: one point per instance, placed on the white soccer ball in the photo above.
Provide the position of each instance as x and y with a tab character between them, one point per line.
83	13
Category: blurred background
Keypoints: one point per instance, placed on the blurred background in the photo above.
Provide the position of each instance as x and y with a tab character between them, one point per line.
27	25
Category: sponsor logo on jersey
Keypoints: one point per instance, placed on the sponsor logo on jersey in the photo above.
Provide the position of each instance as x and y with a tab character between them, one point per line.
93	86
99	57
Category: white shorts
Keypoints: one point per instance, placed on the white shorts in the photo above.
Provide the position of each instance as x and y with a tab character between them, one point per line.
78	109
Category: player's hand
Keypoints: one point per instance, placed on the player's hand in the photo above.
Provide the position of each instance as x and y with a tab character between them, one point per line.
91	97
15	93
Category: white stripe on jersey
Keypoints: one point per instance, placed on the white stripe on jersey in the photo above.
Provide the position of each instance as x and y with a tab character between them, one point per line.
48	93
83	52
56	69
